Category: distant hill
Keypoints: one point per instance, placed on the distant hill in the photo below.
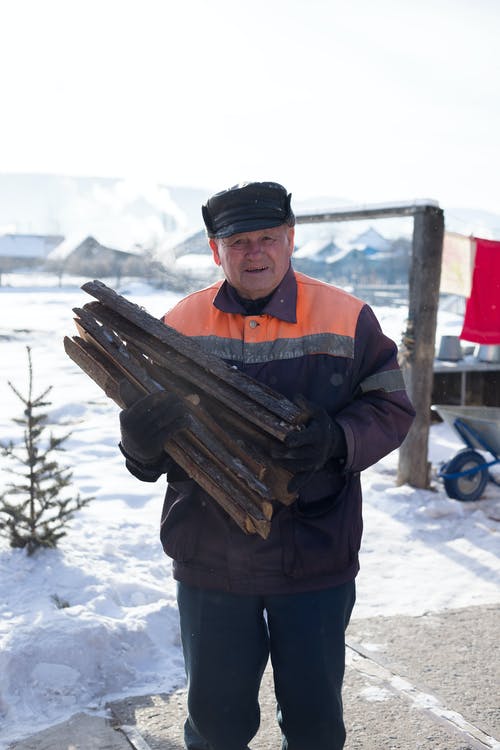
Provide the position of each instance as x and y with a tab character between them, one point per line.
120	213
125	213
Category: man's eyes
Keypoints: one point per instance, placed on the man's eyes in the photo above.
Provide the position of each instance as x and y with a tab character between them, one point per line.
238	244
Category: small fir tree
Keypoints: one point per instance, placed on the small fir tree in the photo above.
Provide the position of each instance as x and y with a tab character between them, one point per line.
41	507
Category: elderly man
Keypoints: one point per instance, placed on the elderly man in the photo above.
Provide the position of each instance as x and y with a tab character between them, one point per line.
243	598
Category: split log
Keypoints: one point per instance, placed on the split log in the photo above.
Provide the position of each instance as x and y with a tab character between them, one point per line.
256	392
176	374
224	440
233	419
240	486
188	448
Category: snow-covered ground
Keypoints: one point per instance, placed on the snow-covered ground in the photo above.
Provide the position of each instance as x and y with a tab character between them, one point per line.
118	634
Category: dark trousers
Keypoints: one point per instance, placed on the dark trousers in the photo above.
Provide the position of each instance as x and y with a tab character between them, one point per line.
227	639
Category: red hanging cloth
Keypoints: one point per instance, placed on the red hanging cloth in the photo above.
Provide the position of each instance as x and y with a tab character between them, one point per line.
482	313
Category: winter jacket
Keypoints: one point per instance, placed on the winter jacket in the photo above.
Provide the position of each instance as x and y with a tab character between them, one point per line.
315	340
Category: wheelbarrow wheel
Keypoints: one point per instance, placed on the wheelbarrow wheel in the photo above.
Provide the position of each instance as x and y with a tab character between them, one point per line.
471	486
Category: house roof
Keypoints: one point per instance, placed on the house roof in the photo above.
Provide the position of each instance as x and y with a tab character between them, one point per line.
316	249
28	245
79	244
371	239
66	247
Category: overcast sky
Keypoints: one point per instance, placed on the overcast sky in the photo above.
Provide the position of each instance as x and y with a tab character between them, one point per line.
367	100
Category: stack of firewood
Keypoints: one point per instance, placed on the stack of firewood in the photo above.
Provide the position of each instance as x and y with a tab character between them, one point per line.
233	420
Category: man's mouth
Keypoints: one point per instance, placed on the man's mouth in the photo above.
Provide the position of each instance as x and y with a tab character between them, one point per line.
257	270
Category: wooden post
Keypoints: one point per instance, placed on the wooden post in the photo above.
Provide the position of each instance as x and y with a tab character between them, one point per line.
417	361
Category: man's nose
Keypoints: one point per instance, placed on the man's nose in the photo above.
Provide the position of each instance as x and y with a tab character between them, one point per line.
254	247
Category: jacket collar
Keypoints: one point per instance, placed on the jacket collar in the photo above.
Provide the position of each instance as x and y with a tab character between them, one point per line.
282	305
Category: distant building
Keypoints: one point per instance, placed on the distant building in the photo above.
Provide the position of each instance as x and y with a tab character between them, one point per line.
88	256
371	242
195	243
367	259
317	250
26	250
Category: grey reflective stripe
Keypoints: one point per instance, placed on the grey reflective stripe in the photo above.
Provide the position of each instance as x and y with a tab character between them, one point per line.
269	351
221	347
389	380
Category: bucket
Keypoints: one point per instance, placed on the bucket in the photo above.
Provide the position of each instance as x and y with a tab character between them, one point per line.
489	353
450	349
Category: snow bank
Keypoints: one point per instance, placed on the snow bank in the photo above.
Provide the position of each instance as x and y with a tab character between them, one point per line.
96	618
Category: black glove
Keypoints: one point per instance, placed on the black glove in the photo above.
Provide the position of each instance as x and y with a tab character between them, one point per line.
306	451
149	423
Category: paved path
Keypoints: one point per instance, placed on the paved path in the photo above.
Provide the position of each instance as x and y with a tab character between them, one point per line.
412	683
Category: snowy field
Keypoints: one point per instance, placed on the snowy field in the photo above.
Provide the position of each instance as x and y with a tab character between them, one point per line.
119	634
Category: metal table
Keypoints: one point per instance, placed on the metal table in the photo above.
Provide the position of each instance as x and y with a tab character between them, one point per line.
469	363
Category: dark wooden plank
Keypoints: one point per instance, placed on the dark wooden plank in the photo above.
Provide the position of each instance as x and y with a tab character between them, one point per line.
238	476
214	482
201	380
214	440
251	513
245	441
111	346
373	211
218	447
102	373
250	445
233	481
275	402
145	374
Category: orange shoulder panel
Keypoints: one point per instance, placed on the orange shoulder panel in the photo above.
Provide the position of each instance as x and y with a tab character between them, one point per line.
321	308
195	315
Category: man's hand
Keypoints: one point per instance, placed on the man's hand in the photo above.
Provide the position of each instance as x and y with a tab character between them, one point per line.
306	451
149	423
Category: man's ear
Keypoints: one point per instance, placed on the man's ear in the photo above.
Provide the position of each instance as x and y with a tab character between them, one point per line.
215	251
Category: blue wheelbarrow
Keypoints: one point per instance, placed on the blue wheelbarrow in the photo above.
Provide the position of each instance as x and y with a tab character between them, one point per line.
466	475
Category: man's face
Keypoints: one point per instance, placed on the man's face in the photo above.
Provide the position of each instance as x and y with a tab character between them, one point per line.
254	263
